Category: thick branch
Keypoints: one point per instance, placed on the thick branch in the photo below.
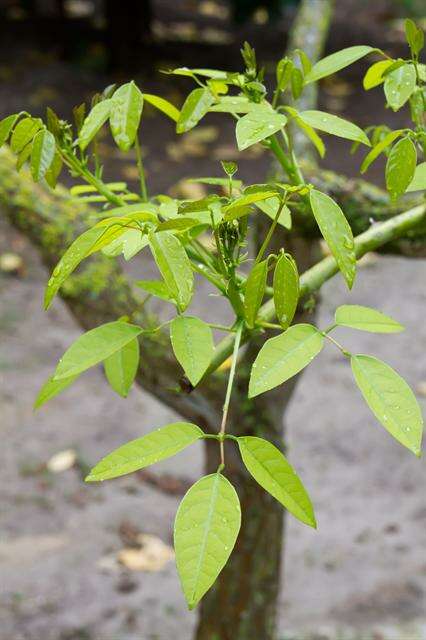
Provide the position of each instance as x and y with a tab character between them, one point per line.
312	280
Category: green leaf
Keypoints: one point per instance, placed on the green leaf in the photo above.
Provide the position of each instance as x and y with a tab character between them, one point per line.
336	232
390	399
374	75
337	61
142	452
128	243
272	471
125	115
23	156
415	37
70	261
270	207
286	289
234	104
94	346
400	167
246	200
24	132
258	125
192	343
379	148
52	388
94	122
418	182
174	266
282	357
194	108
206	528
230	168
163	105
42	154
334	125
304	60
155	288
54	171
254	292
296	82
283	73
307	130
399	85
366	319
121	367
6	126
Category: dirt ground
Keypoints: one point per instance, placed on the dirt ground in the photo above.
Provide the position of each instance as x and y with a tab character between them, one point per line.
361	576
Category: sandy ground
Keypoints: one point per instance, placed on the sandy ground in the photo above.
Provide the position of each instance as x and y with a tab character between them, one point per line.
361	576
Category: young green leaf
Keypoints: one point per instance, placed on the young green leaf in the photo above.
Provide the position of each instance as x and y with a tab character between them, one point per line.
390	399
282	357
283	73
155	288
54	171
379	148
334	125
270	207
374	75
286	289
42	154
194	108
24	132
366	319
163	105
94	122
52	388
174	266
254	292
399	85
94	346
415	37
337	61
234	104
336	232
272	471
142	452
121	367
400	167
206	528
308	131
418	183
192	343
23	156
257	125
296	83
6	126
125	115
70	261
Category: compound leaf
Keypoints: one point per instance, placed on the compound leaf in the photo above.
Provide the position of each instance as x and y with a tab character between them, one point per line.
254	291
400	167
142	452
336	232
282	357
272	471
125	115
286	289
42	154
333	124
257	125
337	61
390	399
174	266
121	367
192	343
206	528
94	346
194	108
366	319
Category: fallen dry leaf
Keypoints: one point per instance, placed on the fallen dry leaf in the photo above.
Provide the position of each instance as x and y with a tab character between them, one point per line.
152	554
62	461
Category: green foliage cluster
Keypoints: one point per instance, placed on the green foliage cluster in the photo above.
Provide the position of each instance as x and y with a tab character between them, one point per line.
209	237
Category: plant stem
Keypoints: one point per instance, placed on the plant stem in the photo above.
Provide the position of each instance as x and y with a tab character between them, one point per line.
270	233
76	166
142	178
237	341
339	346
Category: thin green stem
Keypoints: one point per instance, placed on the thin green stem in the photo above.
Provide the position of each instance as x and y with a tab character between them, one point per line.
237	342
270	233
141	169
73	163
337	344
